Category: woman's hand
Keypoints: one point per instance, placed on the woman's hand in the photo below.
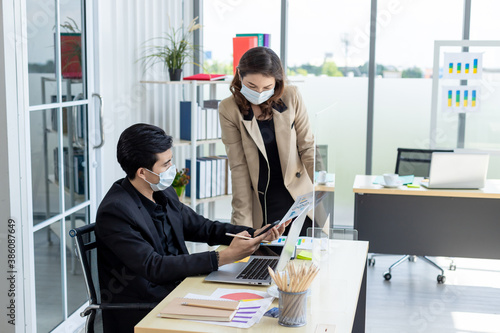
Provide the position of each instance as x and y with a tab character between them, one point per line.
275	232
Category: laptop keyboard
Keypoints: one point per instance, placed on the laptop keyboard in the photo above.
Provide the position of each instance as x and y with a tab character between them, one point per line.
257	269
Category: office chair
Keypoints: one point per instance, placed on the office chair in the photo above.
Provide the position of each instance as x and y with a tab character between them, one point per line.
415	162
86	249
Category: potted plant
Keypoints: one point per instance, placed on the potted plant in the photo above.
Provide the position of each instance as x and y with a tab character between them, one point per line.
180	181
174	49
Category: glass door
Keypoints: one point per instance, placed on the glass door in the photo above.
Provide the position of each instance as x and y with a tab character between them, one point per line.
60	111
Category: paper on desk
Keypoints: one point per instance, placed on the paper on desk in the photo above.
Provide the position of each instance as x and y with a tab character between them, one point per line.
303	243
249	313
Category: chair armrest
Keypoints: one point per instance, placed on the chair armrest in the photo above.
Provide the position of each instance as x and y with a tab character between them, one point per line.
117	306
128	306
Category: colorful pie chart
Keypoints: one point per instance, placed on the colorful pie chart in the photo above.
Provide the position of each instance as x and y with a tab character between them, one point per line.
243	297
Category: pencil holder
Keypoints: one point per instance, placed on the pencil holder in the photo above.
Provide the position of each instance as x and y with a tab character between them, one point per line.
293	308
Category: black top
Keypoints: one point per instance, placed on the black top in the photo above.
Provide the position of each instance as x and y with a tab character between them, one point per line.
277	200
158	212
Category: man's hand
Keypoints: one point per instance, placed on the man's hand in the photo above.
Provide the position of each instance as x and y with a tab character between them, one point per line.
241	248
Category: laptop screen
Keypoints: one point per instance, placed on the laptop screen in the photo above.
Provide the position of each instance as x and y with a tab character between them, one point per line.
458	170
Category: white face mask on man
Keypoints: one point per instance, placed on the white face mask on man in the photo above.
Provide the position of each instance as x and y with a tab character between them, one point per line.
166	179
255	97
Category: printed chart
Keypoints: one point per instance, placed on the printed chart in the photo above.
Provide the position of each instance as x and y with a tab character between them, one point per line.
461	98
463	66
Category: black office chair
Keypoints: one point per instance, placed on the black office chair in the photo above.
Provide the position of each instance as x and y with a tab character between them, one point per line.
86	249
415	162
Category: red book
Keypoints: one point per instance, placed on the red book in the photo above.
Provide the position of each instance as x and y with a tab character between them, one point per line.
240	46
206	77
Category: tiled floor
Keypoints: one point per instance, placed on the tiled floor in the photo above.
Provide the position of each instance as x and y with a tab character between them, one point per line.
413	301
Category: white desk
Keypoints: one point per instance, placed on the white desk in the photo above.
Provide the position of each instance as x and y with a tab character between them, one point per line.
333	300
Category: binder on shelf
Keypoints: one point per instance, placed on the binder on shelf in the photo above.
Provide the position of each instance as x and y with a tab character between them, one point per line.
202	124
267	40
262	39
207	177
221	175
206	77
229	184
219	130
215	115
200	179
240	46
213	177
185	120
214	104
211	103
203	179
210	123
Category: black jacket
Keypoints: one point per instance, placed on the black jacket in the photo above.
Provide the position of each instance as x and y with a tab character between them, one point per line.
132	264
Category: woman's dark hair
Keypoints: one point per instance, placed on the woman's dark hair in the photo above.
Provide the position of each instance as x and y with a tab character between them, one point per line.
259	60
138	146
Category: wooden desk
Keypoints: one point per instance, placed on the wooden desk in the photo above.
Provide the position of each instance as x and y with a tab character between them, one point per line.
436	222
364	184
333	299
327	187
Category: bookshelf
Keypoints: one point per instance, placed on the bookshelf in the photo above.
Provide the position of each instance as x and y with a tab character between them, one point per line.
194	143
74	141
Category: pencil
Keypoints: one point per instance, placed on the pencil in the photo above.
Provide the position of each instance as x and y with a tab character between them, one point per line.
220	307
239	236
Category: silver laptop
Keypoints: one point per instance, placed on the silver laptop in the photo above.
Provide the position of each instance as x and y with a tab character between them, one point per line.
255	270
458	170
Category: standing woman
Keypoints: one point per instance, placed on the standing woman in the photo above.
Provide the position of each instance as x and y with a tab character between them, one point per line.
268	140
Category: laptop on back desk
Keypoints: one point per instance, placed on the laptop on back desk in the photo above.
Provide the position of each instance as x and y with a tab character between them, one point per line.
457	170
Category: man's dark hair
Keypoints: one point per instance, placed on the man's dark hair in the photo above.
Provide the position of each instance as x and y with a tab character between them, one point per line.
138	146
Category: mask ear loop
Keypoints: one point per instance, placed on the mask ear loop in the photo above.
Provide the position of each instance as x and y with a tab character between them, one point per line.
154	173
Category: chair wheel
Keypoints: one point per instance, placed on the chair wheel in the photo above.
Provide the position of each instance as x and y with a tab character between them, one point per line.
441	278
453	267
387	276
371	262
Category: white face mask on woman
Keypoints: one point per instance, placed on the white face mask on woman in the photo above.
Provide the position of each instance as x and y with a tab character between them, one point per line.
166	179
255	97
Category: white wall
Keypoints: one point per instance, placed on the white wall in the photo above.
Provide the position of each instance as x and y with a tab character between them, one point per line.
124	27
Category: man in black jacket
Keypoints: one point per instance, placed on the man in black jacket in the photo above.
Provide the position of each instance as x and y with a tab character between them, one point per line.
141	229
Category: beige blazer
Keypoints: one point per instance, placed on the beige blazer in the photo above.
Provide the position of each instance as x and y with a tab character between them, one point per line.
243	140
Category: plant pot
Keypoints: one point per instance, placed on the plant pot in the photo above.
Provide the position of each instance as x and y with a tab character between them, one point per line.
180	190
175	74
